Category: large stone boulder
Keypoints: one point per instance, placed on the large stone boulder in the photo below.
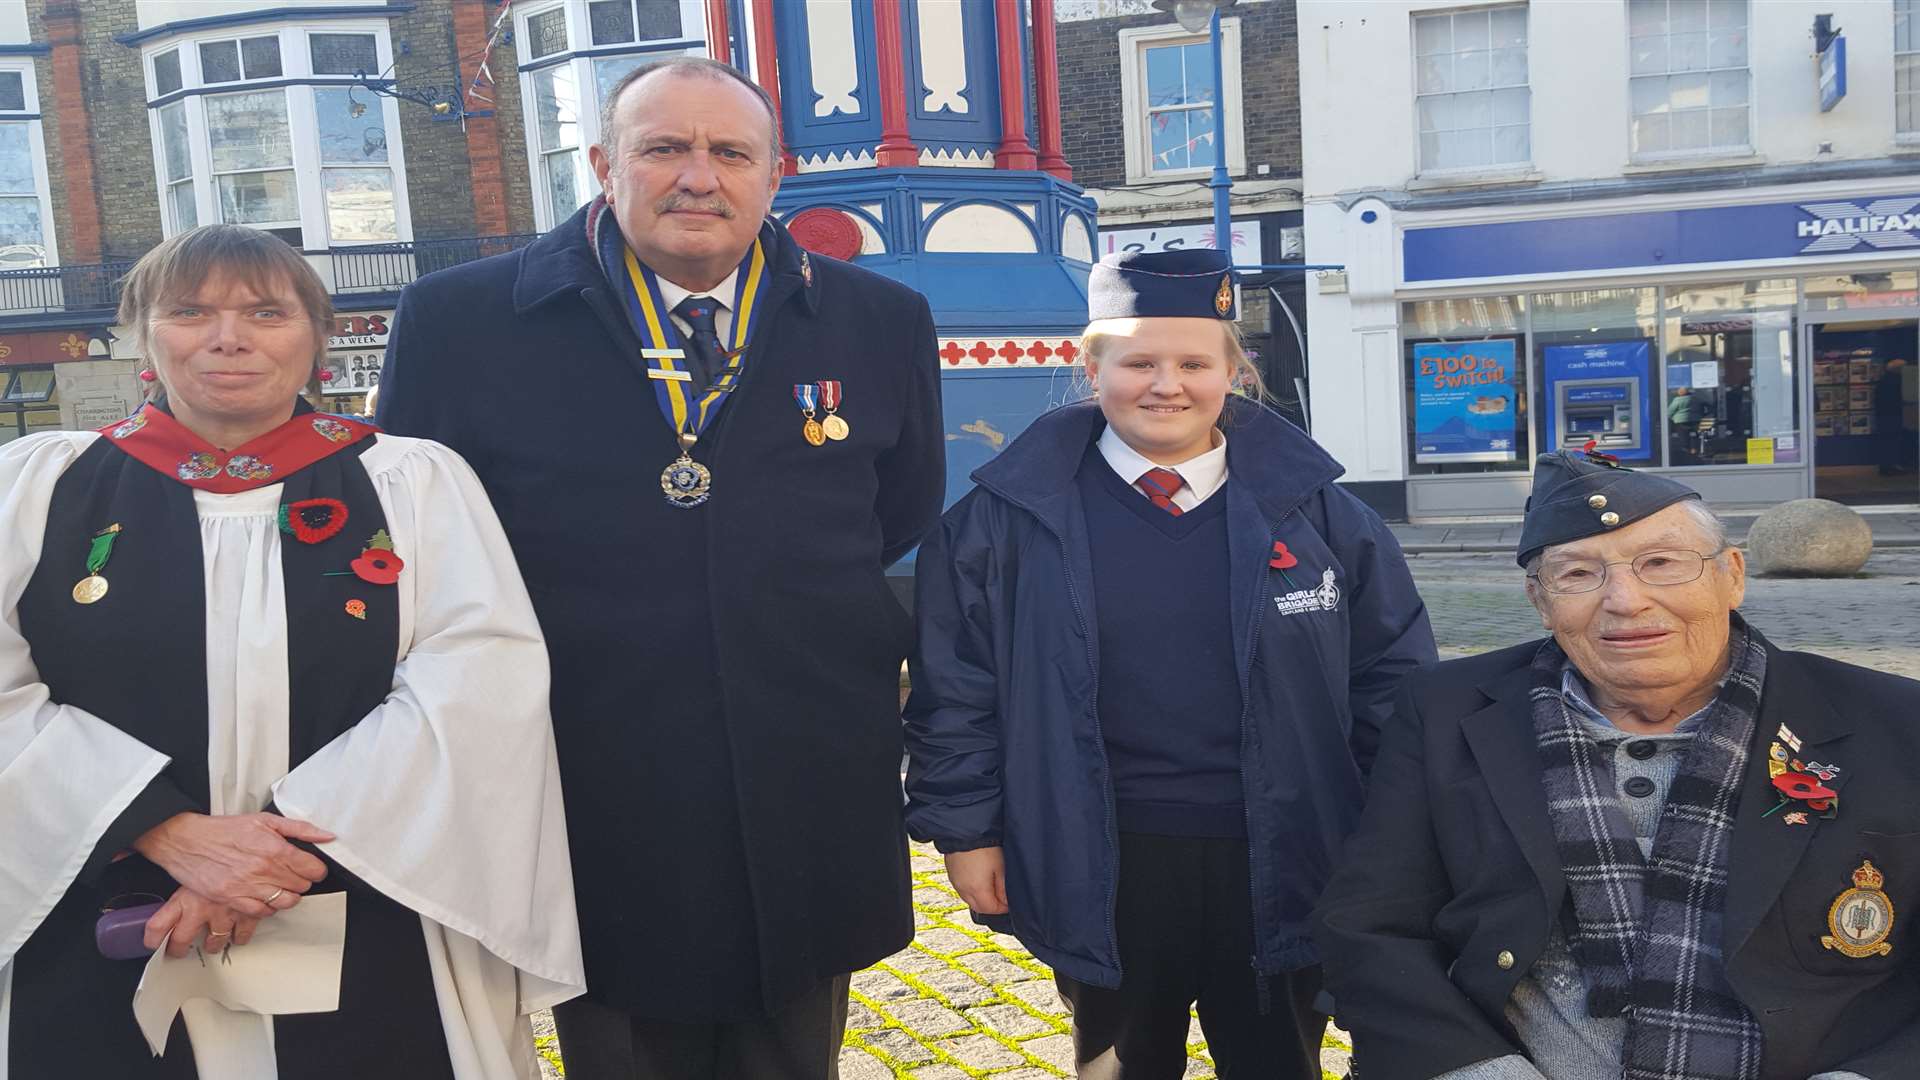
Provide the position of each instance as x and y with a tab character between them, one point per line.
1810	538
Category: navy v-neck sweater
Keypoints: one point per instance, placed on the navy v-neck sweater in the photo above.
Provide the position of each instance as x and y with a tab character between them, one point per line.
1169	695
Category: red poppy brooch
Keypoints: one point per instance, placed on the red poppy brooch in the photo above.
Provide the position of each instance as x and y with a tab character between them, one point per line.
1282	558
378	565
312	521
1801	786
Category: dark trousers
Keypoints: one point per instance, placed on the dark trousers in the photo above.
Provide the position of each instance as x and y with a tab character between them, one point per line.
800	1042
1184	917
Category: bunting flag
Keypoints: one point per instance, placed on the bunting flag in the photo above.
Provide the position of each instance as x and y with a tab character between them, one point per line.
480	89
1165	157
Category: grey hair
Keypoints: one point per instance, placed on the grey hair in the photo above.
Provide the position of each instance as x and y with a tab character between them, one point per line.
694	67
1703	516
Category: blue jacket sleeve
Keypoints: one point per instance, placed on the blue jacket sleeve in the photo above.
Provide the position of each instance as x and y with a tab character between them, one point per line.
952	720
1390	632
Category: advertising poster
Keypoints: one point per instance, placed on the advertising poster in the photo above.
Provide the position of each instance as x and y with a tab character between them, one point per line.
1603	392
1463	401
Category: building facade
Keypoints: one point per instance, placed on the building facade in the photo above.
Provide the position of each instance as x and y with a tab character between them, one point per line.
386	140
1682	230
1136	94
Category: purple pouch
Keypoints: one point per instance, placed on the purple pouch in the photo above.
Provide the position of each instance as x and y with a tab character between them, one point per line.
120	933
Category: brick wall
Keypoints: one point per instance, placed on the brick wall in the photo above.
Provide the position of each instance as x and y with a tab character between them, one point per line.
116	90
1090	111
436	149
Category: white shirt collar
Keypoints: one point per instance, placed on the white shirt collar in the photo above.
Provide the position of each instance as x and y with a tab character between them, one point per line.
1200	476
673	292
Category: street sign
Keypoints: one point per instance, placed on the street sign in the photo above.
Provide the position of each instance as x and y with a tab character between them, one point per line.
1833	73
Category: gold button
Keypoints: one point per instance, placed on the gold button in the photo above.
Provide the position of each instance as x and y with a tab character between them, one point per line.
1609	519
1504	960
1598	502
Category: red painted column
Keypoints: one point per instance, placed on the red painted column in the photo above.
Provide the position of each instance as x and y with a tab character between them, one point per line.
486	165
1047	77
719	42
68	101
896	150
767	72
1014	152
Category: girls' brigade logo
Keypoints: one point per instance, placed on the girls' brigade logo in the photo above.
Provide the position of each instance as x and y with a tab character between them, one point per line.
1324	598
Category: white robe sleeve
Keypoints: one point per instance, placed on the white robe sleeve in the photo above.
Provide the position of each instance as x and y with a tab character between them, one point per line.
65	774
446	798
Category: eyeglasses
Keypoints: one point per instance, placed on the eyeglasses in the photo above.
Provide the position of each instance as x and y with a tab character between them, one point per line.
1574	576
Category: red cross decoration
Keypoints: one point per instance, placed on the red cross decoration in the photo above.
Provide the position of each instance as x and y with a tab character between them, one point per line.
1066	351
980	352
951	352
1010	352
1039	350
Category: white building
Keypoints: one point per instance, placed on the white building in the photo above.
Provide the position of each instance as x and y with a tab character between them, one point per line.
1648	223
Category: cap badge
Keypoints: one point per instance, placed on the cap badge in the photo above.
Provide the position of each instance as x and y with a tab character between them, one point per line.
1223	297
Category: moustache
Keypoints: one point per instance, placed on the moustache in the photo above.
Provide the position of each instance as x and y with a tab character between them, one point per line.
683	202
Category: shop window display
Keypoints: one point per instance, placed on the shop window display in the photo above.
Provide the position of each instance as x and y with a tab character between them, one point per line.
1731	374
1466	385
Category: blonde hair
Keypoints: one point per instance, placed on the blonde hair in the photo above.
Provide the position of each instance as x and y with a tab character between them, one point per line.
1100	334
260	261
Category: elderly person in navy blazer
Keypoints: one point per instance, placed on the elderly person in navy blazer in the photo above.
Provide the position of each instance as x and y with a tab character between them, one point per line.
1651	846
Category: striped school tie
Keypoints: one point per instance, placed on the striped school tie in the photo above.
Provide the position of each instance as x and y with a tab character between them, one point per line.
1159	486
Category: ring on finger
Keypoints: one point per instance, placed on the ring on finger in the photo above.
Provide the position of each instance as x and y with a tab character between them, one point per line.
277	893
219	933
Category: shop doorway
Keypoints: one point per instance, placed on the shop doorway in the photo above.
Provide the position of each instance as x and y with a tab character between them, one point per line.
1866	442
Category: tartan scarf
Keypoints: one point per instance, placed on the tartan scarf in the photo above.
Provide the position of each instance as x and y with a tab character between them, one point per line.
1648	933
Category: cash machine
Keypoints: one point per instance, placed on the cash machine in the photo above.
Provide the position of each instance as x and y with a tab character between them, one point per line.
1607	411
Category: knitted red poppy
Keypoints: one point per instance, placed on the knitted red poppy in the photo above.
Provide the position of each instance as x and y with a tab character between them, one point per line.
313	520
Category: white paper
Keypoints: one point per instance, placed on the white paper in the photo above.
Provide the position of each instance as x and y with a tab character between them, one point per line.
1706	374
292	965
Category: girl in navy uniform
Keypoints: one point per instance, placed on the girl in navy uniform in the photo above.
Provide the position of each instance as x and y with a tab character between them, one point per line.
1157	644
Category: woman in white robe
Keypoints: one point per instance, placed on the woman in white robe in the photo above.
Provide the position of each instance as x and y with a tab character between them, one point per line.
352	796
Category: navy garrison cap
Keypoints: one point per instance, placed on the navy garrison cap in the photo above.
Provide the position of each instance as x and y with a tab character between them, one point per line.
1577	494
1195	283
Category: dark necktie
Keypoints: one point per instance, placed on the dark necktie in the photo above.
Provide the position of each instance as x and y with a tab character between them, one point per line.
1160	484
706	357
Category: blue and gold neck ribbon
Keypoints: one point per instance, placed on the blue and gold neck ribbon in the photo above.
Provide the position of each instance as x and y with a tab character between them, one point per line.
688	408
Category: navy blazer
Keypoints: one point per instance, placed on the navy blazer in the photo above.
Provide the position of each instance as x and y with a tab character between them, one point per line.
1455	863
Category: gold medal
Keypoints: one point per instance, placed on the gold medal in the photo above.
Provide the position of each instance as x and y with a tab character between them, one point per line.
91	588
815	434
835	427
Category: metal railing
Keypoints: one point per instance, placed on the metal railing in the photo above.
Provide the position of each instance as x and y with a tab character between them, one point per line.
94	287
377	267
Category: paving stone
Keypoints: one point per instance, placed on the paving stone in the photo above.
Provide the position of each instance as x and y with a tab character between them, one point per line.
1336	1061
994	968
945	941
927	1018
1008	942
921	920
1028	1073
1009	1020
860	1018
1042	994
860	1065
883	986
939	1072
1055	1050
899	1045
960	988
916	963
1197	1070
982	1052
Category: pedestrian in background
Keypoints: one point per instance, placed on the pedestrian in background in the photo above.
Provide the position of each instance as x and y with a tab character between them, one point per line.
1156	647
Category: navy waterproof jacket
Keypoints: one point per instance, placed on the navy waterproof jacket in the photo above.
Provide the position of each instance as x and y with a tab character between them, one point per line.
1003	726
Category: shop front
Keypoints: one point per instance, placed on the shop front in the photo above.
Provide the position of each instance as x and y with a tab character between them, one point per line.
1762	352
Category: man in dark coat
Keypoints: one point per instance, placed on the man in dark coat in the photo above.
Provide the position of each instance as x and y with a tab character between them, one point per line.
1652	845
726	651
